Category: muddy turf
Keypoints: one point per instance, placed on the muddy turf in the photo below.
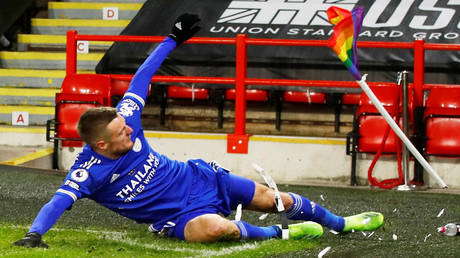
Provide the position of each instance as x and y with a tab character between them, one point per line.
411	218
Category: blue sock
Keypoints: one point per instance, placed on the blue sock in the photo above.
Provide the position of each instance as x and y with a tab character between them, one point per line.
304	209
248	231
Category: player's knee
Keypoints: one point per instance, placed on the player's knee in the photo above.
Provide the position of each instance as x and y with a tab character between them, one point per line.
268	203
206	228
215	231
287	200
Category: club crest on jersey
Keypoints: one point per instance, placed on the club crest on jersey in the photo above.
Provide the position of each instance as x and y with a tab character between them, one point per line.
79	175
127	107
137	145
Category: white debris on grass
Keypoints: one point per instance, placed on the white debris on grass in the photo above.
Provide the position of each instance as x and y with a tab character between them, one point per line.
440	213
334	232
323	252
426	237
370	234
364	234
380	239
395	210
263	216
395	237
322	198
238	212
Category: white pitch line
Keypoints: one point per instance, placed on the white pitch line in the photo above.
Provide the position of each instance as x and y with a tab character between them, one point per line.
201	253
121	237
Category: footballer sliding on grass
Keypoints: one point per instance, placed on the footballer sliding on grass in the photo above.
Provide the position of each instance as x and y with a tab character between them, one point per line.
118	169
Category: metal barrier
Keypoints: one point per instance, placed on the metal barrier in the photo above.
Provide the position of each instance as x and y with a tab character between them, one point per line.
238	141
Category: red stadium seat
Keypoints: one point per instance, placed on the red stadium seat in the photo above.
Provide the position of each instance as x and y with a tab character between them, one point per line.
371	131
251	95
99	84
304	97
119	87
187	92
442	122
180	92
69	107
230	94
369	126
351	99
340	99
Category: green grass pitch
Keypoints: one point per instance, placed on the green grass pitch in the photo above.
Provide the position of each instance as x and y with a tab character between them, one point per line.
89	230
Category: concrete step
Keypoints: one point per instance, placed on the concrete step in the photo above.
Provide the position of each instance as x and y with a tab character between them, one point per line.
37	115
32	78
74	10
46	60
31	97
93	27
54	42
24	136
27	156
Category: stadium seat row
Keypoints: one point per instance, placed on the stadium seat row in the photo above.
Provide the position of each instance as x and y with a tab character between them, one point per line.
441	120
81	91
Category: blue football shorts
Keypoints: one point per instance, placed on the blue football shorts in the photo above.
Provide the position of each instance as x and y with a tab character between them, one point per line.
240	191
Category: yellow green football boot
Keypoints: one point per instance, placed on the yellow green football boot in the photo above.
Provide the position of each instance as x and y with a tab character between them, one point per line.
305	230
366	221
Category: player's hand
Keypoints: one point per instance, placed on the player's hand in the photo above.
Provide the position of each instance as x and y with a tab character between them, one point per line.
185	27
32	239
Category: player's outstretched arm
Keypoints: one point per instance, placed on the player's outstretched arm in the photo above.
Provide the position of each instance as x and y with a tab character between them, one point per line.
45	219
183	29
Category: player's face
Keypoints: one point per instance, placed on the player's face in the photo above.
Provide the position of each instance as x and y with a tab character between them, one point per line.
120	137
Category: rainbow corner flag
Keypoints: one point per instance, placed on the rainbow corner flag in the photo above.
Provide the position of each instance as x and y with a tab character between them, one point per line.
346	31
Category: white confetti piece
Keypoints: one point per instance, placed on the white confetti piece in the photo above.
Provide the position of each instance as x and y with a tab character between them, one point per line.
380	239
334	232
395	237
323	252
366	220
364	234
440	213
426	237
370	234
395	210
352	231
263	216
322	198
238	212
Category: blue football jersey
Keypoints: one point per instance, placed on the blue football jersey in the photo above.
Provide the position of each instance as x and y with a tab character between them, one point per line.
142	185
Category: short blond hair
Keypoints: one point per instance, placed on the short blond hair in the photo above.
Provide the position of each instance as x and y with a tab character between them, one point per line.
93	123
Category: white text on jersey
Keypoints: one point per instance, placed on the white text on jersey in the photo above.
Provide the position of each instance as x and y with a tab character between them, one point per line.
137	184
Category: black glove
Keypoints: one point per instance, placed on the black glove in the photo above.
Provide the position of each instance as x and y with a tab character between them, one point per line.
32	239
185	27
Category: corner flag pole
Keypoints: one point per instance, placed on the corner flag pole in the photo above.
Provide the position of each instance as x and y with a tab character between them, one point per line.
347	25
362	83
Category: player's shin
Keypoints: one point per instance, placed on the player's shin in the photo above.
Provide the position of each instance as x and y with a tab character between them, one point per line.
304	209
248	231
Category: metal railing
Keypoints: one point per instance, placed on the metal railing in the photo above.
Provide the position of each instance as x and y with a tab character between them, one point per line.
238	141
